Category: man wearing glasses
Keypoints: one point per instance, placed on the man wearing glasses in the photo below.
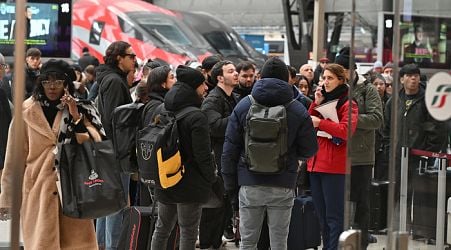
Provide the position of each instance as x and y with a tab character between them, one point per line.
113	92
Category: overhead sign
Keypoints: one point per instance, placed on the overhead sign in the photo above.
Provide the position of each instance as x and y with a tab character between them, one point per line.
438	96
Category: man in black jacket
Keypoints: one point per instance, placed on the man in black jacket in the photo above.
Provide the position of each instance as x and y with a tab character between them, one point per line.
207	66
218	106
87	59
246	79
113	92
182	202
416	128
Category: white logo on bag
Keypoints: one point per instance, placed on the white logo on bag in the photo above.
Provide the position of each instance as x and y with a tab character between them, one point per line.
93	175
146	150
94	179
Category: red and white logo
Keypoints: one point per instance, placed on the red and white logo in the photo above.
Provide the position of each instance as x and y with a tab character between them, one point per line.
94	180
438	96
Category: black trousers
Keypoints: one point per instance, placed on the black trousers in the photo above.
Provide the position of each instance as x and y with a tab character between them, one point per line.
360	187
211	227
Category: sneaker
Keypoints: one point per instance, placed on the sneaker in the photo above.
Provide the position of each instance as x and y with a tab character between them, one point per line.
371	239
228	233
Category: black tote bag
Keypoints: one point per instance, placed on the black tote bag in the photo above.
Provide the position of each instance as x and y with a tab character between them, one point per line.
91	185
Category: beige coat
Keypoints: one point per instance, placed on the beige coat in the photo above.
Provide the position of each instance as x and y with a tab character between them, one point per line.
43	224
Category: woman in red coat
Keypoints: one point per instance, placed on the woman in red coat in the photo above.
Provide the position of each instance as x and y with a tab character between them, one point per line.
327	169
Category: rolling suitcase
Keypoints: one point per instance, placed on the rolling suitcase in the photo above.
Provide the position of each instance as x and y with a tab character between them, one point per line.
378	206
305	230
138	227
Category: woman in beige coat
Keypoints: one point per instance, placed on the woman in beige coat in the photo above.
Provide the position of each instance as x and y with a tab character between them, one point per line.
43	224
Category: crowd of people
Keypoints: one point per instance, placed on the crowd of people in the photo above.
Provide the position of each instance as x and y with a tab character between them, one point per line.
213	143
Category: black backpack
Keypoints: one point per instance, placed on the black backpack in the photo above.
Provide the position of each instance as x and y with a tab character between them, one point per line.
158	151
126	122
266	138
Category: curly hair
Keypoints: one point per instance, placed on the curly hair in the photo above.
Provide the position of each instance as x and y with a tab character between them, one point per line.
39	90
115	49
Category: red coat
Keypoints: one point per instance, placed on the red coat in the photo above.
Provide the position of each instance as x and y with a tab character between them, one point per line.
330	157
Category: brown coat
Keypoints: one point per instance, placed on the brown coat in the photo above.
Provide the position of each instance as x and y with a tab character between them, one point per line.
43	224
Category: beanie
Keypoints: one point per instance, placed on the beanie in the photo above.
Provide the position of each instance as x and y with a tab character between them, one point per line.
58	66
209	62
187	75
377	64
343	58
275	68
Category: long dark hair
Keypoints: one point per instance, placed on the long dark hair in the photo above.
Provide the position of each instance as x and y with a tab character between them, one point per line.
115	49
156	78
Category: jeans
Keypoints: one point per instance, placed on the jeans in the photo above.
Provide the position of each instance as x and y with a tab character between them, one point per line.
108	229
360	189
188	216
328	198
254	201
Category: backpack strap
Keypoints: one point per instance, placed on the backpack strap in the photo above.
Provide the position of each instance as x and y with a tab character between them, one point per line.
184	111
253	101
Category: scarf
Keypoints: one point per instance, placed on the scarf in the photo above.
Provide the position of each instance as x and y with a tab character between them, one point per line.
67	127
339	91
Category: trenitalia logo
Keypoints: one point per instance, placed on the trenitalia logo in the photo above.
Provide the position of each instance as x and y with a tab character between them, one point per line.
443	91
438	96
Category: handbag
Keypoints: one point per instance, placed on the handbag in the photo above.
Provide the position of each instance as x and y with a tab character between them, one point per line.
91	185
215	195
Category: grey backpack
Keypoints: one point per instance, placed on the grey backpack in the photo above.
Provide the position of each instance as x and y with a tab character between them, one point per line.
265	137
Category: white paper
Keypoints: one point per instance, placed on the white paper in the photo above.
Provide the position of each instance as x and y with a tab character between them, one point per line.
328	110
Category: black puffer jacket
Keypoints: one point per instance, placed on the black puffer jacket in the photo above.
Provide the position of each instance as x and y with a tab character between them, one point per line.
218	107
113	92
195	149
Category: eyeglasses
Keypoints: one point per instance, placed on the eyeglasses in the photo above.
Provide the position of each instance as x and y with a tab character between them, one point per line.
131	55
3	66
55	83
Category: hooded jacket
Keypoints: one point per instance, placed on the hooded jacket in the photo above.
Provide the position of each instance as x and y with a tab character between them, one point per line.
113	92
195	149
301	138
370	119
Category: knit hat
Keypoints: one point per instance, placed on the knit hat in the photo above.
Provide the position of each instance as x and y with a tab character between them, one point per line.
209	62
377	64
192	77
389	65
58	66
275	68
410	69
343	58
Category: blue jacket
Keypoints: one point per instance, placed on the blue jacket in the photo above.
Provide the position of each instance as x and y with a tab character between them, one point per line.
302	142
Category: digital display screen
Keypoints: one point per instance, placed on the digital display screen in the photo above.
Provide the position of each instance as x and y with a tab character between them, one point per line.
48	24
425	40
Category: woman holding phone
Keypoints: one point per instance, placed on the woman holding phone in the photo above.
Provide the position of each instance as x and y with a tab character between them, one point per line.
52	116
328	167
